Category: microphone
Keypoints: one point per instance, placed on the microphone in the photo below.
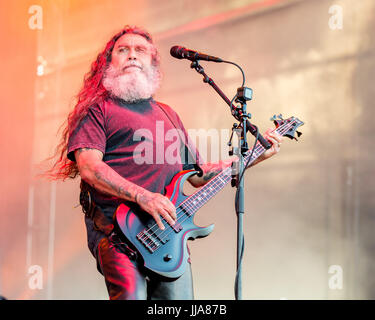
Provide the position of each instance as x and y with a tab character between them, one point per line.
183	53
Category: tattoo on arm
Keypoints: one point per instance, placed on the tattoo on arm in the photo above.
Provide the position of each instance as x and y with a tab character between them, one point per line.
80	150
119	190
103	178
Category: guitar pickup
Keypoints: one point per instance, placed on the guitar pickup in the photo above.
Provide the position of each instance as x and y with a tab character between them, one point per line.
177	227
185	211
148	240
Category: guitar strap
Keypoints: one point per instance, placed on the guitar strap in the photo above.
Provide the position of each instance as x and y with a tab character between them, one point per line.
179	130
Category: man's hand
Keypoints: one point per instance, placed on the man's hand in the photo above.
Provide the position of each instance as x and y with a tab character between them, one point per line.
157	205
275	140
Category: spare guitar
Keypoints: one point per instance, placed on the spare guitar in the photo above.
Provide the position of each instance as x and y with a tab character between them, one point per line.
165	251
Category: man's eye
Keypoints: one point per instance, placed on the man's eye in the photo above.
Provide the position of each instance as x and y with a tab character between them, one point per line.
122	50
141	50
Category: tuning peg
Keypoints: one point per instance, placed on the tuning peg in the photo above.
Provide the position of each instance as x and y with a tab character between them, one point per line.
280	116
273	118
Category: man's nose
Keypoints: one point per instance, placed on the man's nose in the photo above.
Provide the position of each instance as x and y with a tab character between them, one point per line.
132	54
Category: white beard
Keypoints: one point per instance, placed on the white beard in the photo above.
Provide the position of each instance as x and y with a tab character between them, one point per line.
132	85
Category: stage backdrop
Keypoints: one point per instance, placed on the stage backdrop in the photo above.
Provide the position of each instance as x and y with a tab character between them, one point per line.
309	211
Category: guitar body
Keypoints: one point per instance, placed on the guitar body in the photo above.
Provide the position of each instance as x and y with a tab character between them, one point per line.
163	251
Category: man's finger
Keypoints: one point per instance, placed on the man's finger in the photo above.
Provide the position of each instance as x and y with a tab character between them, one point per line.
158	221
273	140
171	209
165	214
276	136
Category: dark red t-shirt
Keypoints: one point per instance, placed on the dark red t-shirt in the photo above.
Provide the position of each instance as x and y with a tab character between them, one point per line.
138	141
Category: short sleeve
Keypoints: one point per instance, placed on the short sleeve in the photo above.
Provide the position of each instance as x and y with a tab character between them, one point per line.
90	133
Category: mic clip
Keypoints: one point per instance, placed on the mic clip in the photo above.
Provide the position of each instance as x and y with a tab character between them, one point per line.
195	65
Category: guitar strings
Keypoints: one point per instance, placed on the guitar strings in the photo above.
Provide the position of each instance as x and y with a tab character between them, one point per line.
162	236
192	207
162	233
225	173
188	206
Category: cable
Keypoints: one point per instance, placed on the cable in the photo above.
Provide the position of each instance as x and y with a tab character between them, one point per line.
243	79
235	64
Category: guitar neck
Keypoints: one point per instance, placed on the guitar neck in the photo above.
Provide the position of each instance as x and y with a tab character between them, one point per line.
216	184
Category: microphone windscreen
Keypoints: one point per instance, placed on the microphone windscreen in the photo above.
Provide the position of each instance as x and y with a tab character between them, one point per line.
176	51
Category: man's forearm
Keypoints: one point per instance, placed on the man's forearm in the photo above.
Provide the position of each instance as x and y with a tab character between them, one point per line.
104	179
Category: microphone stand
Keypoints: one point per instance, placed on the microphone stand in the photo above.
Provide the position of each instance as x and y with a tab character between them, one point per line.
243	94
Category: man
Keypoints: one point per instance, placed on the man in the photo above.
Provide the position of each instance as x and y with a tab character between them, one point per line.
99	143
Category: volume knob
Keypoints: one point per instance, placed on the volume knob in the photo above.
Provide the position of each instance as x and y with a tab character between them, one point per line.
167	257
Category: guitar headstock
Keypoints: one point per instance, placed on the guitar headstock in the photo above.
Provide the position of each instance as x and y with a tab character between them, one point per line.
287	127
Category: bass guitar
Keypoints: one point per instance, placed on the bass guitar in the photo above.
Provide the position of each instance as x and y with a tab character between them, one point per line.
165	251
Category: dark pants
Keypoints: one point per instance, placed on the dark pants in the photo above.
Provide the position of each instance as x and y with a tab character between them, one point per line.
126	279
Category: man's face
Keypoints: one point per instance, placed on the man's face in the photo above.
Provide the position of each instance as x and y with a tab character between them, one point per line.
132	53
131	75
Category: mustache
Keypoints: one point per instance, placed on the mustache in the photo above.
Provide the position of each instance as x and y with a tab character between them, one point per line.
132	64
112	71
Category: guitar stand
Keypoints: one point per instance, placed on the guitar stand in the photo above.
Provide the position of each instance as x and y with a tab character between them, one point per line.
244	94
